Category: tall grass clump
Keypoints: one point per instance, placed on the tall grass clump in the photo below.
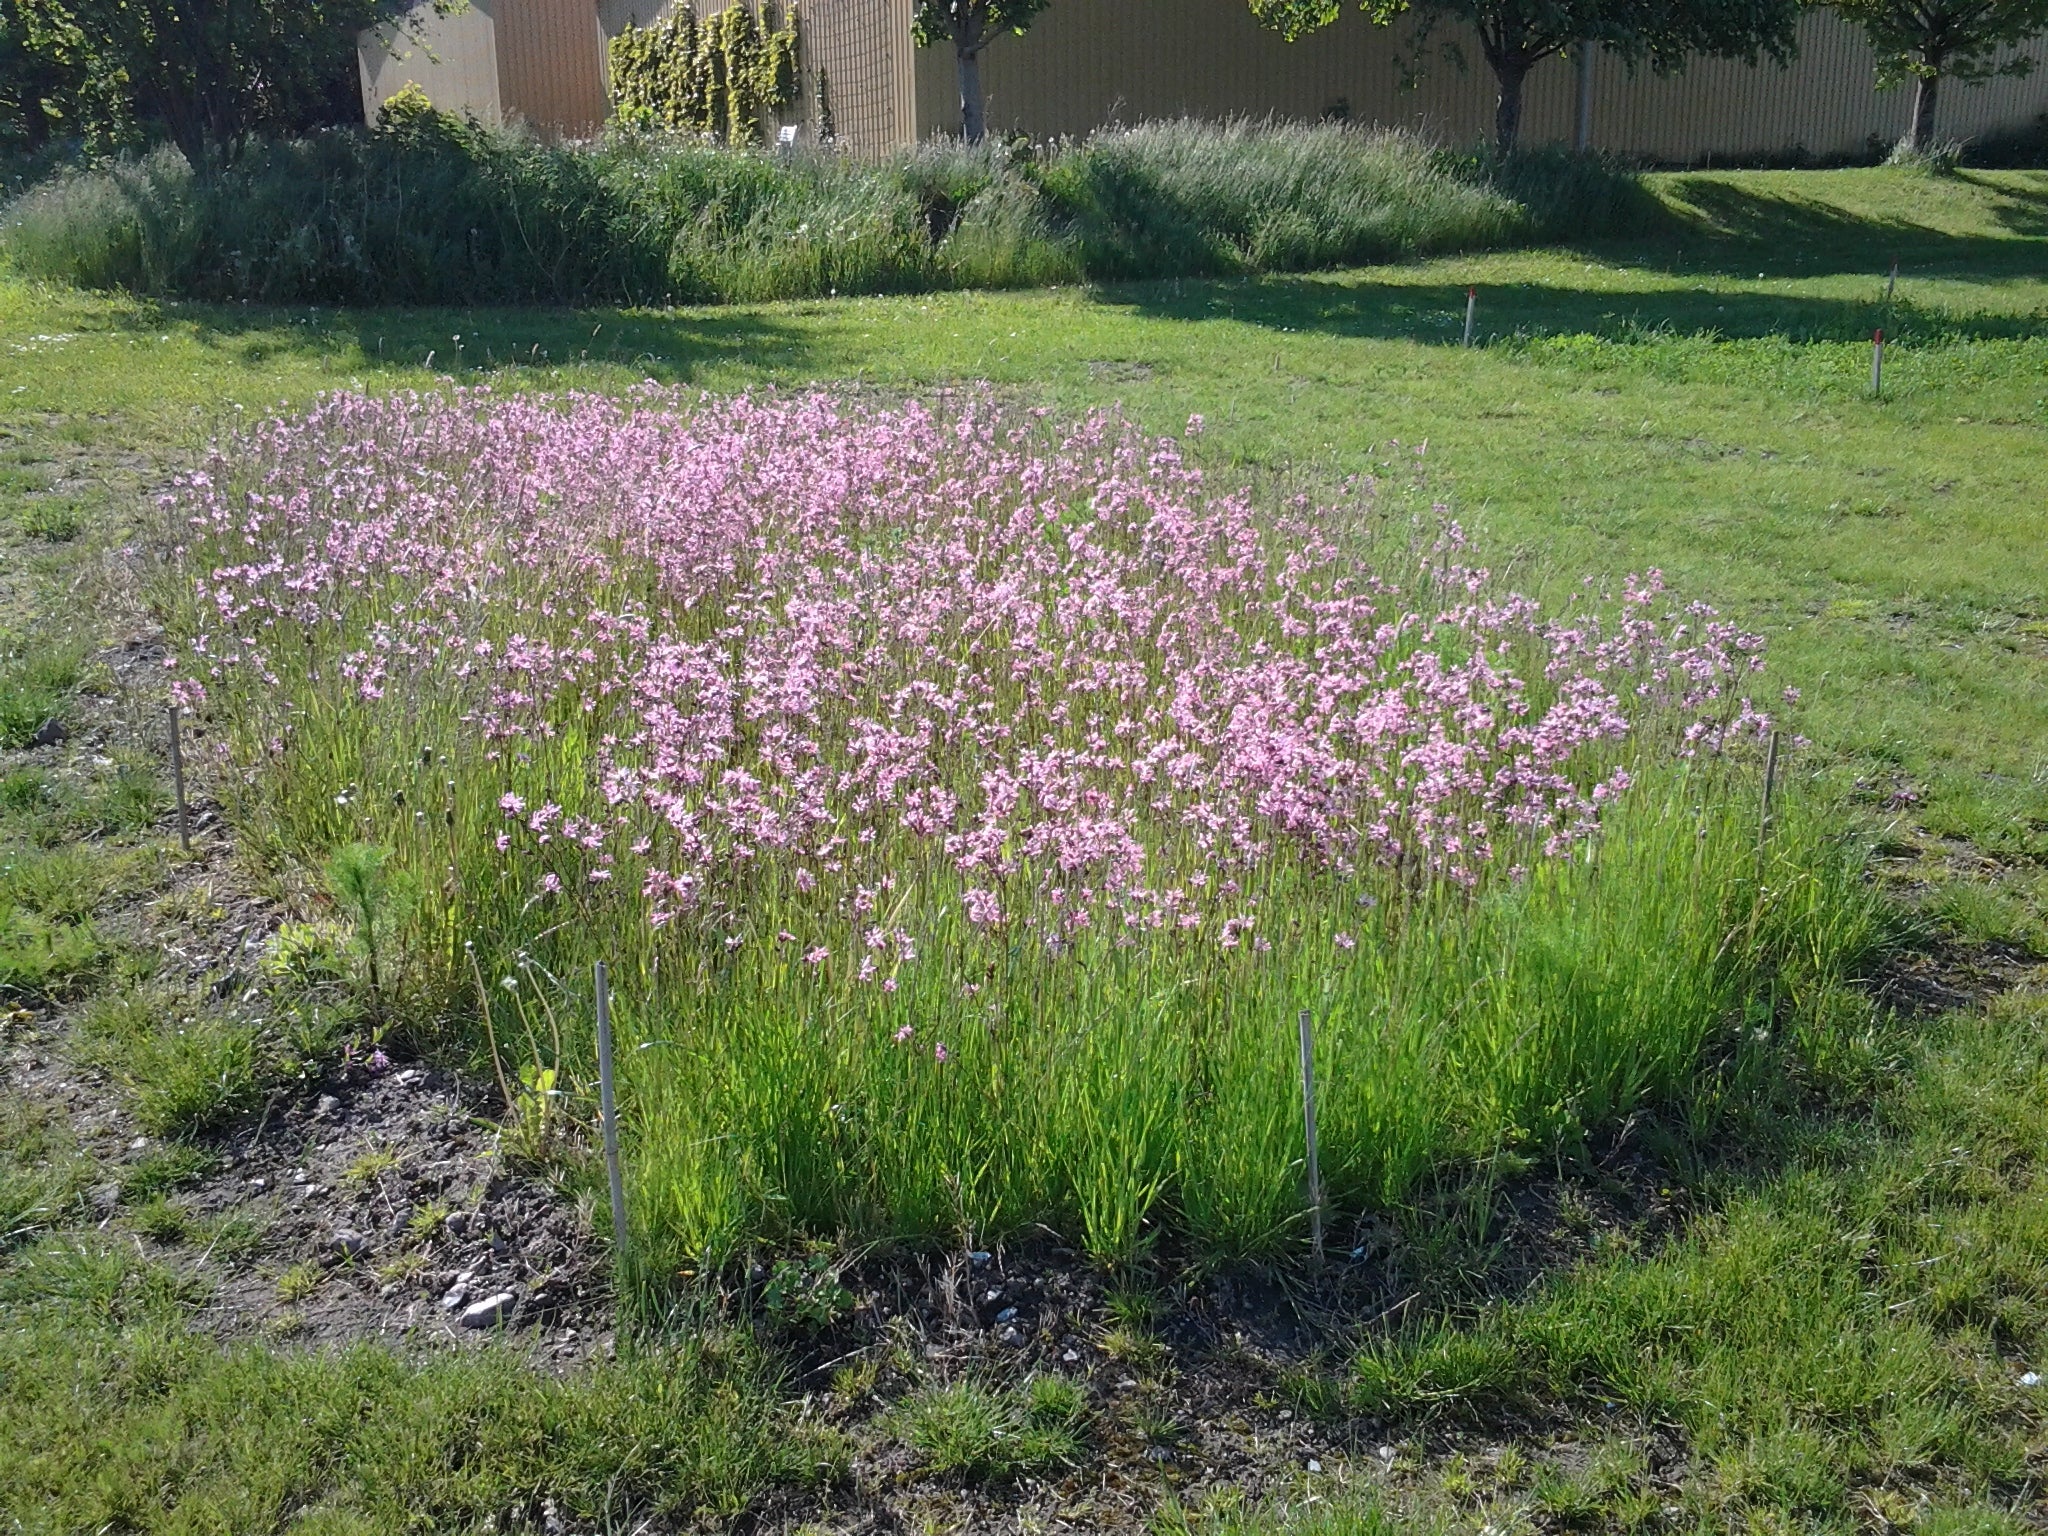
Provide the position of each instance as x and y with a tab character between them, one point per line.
1188	197
967	803
432	210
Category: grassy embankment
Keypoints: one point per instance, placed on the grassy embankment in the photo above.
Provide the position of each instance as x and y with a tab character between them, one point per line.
1840	1332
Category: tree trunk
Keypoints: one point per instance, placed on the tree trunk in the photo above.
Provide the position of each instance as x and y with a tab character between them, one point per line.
1921	134
1507	116
973	118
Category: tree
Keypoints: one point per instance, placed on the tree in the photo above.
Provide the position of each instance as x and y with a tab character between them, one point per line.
210	72
1517	35
970	26
39	98
1933	40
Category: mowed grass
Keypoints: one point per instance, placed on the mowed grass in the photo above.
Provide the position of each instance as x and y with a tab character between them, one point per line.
1840	1341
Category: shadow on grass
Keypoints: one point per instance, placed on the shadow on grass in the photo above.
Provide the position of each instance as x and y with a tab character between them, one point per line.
1714	225
678	347
1435	315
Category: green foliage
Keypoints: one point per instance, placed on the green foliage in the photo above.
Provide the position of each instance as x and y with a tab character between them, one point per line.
162	1220
409	116
1516	35
43	958
1515	1023
307	956
969	26
428	210
537	1133
721	75
1967	40
205	76
376	900
1851	1323
806	1292
188	1080
1926	41
52	519
159	1172
41	1173
131	799
949	21
973	1431
185	1072
106	1380
35	676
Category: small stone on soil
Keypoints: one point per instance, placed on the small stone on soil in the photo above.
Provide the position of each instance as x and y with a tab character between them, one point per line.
489	1312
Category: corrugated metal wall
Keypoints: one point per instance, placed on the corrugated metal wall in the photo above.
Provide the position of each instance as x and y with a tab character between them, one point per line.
1085	63
865	50
455	62
1090	62
551	65
1827	103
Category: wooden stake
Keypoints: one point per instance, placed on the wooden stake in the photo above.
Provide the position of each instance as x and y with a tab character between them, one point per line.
1763	830
1471	306
1877	362
1891	282
178	782
1308	1121
608	1105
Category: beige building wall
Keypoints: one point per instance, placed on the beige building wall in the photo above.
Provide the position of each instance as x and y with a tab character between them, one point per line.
1826	103
871	67
1085	63
540	61
551	65
454	59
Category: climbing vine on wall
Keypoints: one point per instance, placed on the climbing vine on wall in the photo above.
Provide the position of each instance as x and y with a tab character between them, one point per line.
719	75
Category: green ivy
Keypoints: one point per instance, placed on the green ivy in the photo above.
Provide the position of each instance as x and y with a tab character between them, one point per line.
717	76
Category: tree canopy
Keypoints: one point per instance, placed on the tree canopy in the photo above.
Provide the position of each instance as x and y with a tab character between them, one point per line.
970	26
207	73
1928	41
1517	35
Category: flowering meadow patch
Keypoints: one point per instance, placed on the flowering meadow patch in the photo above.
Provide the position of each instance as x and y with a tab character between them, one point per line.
966	800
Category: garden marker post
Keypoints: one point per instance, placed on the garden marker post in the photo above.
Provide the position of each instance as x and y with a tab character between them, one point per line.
1471	305
1308	1125
1891	282
178	782
1763	827
1877	363
608	1104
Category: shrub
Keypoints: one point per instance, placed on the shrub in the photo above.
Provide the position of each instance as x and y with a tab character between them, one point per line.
1187	197
431	210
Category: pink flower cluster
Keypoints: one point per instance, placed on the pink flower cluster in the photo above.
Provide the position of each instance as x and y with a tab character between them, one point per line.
829	648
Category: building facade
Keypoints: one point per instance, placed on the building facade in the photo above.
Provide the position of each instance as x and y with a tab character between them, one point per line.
1088	63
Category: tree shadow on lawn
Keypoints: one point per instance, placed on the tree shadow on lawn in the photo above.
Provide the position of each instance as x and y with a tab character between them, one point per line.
669	347
2023	209
1712	225
1434	316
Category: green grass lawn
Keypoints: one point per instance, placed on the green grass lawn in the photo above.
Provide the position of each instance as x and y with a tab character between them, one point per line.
1835	1341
